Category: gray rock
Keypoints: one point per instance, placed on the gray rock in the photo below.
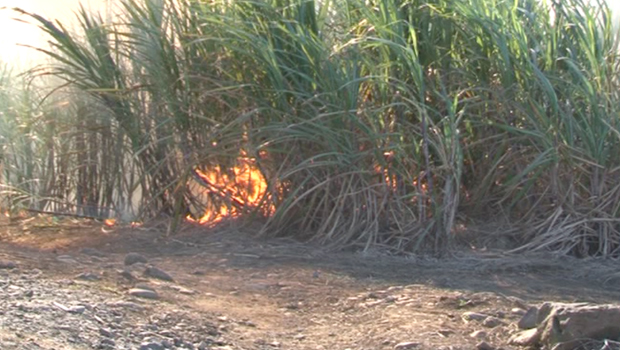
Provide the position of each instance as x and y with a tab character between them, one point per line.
67	259
105	332
107	343
155	272
88	276
406	345
125	305
183	290
484	346
79	309
492	322
151	346
473	316
133	258
93	252
144	286
525	338
478	334
564	325
127	275
167	333
529	320
7	265
143	293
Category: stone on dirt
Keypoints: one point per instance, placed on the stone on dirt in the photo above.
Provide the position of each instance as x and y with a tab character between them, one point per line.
526	338
105	332
406	345
67	259
529	319
484	346
126	305
492	322
143	293
473	316
88	276
183	290
478	334
158	273
559	323
144	286
79	309
106	343
7	265
133	258
151	346
127	275
93	252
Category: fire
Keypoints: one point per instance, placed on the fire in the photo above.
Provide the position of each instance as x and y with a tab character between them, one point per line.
241	188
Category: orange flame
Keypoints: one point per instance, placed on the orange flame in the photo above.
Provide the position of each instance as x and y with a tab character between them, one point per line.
242	188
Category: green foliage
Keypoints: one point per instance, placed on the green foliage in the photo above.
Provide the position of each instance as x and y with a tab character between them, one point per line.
373	122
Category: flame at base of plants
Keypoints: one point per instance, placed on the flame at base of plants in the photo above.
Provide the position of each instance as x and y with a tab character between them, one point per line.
238	190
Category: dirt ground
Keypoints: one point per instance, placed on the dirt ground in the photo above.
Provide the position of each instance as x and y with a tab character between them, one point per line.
282	294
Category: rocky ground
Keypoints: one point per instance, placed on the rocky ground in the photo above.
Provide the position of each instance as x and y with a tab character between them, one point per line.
67	284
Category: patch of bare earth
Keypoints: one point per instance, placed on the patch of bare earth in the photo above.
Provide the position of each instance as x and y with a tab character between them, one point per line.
280	294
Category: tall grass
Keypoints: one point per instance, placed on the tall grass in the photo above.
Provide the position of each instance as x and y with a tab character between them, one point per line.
374	123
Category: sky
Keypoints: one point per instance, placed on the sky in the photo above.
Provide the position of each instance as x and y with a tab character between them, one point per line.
13	32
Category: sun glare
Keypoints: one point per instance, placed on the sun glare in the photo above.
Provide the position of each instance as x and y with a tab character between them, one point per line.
15	33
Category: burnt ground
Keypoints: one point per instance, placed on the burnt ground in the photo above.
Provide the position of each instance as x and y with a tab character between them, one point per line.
232	291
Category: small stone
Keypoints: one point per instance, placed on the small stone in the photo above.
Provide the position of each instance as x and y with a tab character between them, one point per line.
151	346
167	333
105	332
126	305
406	345
155	272
88	276
187	291
79	309
167	344
473	316
528	320
478	334
127	275
143	293
484	346
93	252
183	290
517	302
300	337
67	259
7	265
133	258
529	337
144	286
445	332
492	322
106	343
517	311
